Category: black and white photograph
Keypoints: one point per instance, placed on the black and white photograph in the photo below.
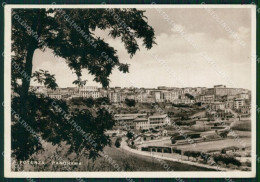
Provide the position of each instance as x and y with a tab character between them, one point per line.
130	91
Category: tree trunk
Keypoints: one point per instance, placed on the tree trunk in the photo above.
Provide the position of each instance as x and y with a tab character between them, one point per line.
26	80
28	66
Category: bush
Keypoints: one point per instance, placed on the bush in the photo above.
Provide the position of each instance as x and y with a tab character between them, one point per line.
187	153
129	135
89	102
195	154
177	151
130	102
227	160
118	142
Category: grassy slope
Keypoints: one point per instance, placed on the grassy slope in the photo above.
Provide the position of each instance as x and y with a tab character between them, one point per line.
131	162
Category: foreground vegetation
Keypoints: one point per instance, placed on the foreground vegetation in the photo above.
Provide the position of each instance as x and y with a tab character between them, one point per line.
112	159
132	162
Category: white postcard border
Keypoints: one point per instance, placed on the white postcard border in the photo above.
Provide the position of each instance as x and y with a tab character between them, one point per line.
153	174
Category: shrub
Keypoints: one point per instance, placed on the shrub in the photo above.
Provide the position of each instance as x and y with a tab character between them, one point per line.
129	135
187	153
177	151
89	102
195	154
227	160
117	142
130	102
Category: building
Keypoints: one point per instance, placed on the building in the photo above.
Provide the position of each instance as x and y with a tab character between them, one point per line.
138	115
147	137
54	95
219	86
229	104
243	96
245	111
141	123
170	96
88	88
221	90
231	98
126	123
114	97
158	120
214	106
238	103
206	98
89	91
157	96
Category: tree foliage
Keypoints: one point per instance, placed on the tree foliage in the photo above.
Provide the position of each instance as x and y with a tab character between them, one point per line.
129	135
54	123
70	34
118	142
227	160
130	102
44	77
191	97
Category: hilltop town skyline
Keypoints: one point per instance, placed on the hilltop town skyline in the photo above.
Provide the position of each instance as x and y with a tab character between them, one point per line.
157	87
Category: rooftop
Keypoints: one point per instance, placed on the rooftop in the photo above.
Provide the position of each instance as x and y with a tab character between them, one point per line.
140	119
159	116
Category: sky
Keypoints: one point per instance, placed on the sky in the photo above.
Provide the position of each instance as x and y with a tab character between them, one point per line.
205	53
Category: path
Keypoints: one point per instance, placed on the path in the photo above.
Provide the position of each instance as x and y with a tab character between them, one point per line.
138	152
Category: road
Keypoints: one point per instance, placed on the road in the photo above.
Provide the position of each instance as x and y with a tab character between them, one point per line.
167	158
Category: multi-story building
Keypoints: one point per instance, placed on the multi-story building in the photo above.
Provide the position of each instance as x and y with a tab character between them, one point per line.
157	96
141	124
89	91
214	106
231	98
103	92
206	98
170	96
114	97
229	104
158	120
245	110
243	96
219	86
166	96
238	103
141	121
126	122
221	90
54	95
88	88
187	90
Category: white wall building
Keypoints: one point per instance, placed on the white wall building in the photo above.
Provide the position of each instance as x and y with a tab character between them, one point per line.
89	91
238	103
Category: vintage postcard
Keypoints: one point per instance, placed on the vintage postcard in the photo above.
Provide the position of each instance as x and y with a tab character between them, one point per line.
125	91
